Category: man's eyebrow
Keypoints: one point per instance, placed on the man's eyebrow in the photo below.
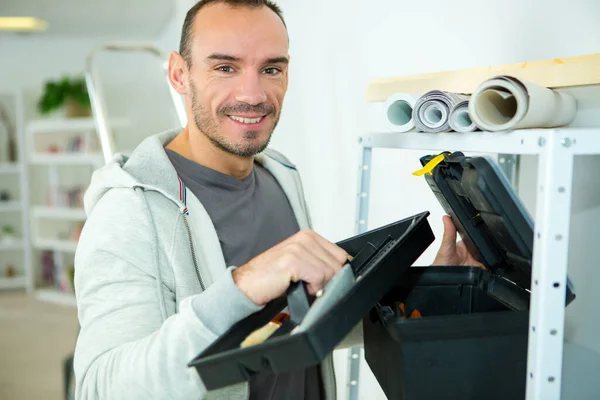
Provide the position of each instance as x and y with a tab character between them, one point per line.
227	57
278	60
223	57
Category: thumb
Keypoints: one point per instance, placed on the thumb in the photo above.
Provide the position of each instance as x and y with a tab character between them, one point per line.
449	236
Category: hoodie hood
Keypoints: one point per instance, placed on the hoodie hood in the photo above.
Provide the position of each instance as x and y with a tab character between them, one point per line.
148	168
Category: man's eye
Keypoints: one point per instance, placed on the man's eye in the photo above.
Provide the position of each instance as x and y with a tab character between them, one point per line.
225	68
272	71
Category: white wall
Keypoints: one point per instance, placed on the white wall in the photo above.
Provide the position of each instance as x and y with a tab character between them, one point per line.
169	39
338	45
29	60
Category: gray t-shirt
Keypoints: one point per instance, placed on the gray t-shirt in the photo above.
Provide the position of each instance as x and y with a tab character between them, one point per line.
250	217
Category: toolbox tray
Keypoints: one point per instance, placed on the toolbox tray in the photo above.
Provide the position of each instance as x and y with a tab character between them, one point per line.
390	251
470	341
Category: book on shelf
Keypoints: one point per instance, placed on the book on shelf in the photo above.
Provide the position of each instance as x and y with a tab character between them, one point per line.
57	274
65	197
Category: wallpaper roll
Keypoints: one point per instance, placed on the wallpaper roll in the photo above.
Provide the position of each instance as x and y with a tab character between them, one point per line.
460	121
506	103
432	111
398	110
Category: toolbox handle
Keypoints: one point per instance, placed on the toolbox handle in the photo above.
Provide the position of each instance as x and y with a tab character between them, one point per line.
297	299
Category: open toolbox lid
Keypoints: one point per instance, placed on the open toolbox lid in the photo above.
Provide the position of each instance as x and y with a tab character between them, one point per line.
490	218
313	330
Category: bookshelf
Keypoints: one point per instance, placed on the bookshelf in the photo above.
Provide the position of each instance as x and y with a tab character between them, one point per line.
62	154
15	250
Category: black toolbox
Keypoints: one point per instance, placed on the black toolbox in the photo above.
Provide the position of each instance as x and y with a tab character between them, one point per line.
468	337
316	326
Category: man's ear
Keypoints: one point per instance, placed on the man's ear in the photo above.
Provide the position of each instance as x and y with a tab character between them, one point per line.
178	73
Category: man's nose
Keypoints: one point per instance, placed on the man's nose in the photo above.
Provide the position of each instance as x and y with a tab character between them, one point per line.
250	89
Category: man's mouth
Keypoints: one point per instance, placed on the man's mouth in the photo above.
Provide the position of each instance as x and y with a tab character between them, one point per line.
246	120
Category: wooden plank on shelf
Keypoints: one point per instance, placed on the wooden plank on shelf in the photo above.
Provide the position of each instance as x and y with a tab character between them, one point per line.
555	73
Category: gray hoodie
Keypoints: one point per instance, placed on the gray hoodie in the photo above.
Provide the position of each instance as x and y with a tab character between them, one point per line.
144	254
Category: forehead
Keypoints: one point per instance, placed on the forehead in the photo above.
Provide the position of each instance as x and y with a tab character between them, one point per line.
249	33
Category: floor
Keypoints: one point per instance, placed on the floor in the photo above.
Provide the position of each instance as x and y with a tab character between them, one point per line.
35	337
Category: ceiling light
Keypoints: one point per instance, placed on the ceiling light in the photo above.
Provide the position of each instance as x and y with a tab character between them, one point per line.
22	24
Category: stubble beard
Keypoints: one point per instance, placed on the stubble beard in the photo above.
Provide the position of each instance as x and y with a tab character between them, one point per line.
209	127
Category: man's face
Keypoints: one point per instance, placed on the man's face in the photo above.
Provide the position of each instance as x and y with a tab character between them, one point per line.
238	77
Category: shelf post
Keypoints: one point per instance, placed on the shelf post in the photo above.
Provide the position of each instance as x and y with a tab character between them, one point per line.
549	275
362	217
509	164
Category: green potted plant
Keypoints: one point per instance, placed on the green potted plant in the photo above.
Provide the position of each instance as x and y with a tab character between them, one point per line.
68	93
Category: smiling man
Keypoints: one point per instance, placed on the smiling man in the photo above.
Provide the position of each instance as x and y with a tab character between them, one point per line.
202	226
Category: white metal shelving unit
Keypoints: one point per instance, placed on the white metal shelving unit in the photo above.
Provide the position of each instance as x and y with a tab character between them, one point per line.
556	149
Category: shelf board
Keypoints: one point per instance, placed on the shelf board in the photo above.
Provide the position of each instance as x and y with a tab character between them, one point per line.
554	73
11	244
66	159
68	246
69	125
70	214
18	282
10	206
10	168
51	295
524	141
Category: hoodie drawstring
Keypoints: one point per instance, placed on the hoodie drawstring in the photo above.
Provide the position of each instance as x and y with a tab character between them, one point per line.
161	297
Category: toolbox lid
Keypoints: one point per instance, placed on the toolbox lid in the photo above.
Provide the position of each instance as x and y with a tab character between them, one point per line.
315	327
490	218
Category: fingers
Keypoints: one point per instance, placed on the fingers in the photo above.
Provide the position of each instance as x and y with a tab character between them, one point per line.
327	259
308	267
339	255
304	256
317	259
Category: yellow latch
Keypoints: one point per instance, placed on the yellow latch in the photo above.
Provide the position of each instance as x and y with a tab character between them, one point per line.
430	165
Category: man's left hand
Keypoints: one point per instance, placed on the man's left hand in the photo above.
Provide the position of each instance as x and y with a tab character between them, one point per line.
452	253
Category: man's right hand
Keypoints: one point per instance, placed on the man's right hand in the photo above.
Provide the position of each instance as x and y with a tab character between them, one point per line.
305	256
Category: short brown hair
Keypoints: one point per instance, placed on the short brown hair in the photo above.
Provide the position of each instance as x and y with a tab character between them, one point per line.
185	41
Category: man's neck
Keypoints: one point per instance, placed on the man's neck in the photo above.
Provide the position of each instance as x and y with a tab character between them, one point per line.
201	150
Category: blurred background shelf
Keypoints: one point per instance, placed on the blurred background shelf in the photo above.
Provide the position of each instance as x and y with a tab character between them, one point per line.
68	125
10	206
66	159
68	246
10	168
18	282
12	244
55	296
64	213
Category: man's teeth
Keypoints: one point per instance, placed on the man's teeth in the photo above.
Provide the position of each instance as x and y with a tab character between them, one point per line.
246	120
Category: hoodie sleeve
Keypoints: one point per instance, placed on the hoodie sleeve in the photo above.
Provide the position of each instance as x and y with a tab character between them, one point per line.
133	343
